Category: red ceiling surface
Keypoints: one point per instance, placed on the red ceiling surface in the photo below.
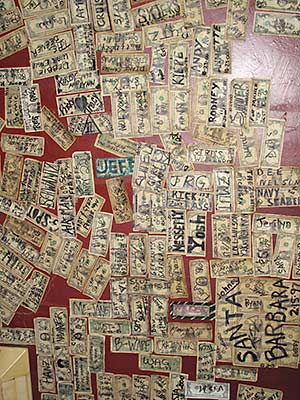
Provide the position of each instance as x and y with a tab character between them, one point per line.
272	57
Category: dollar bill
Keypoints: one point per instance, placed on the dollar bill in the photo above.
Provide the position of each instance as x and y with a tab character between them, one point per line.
176	231
221	52
159	316
12	169
259	102
90	308
277	197
109	42
81	269
166	32
125	63
84	217
238	107
190	181
206	360
138	254
79	13
140	106
156	363
49	66
82	376
83	173
122	387
156	12
248	147
48	185
191	310
51	45
75	104
19	245
56	130
278	5
98	279
217	105
59	325
109	327
78	335
160	109
13	107
120	15
14	262
131	344
13	42
178	66
240	235
159	387
69	250
139	315
31	8
14	282
244	190
215	3
221	236
120	147
296	263
262	253
236	19
224	190
26	230
113	167
66	180
236	373
281	24
173	142
49	252
207	390
181	199
47	24
30	181
158	63
179	347
119	297
46	374
78	81
119	261
200	281
249	392
283	256
62	364
96	353
43	336
15	76
232	267
272	143
38	285
21	144
13	208
141	387
178	385
153	287
48	396
177	277
179	110
115	83
193	14
119	200
65	390
283	176
100	235
157	257
80	125
196	233
201	51
66	215
105	386
195	331
85	47
274	223
101	18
